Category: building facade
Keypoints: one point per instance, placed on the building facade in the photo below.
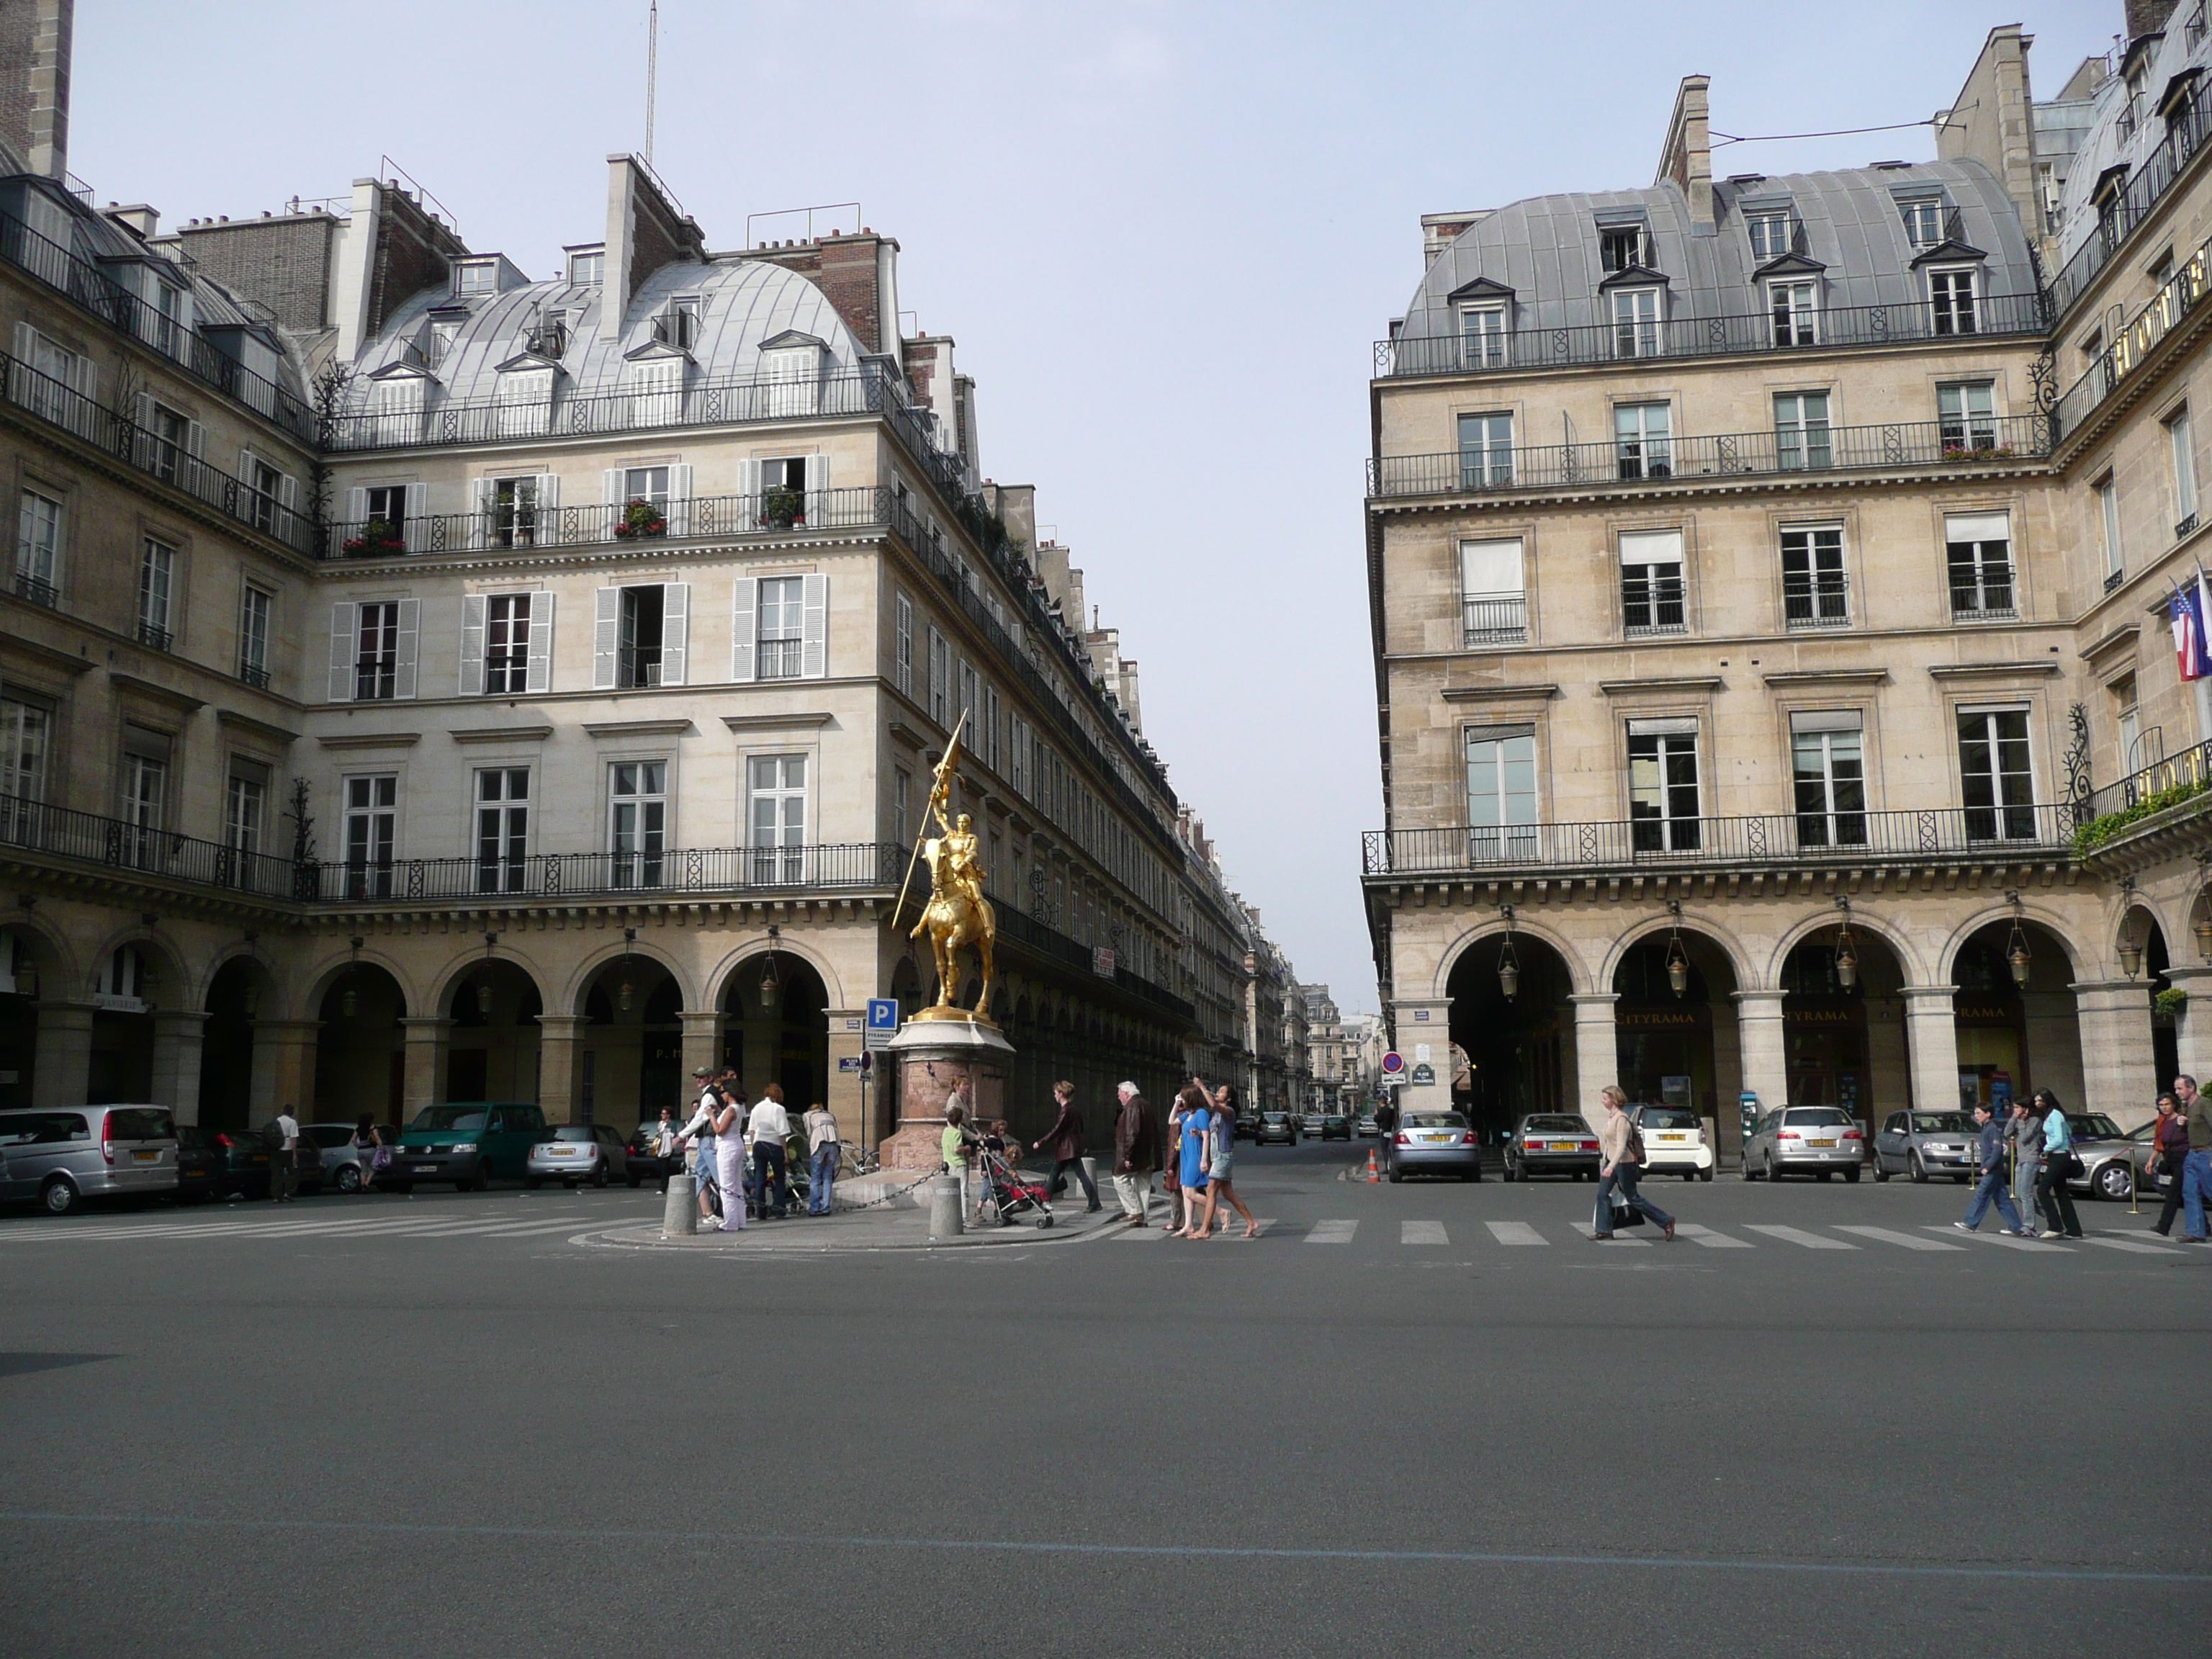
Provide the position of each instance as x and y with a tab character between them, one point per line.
1752	676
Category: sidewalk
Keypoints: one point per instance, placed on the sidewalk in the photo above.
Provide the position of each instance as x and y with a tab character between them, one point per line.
874	1213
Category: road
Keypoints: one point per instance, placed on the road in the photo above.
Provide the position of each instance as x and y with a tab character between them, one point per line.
1409	1420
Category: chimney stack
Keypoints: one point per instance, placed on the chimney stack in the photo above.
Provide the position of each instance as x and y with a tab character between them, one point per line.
1687	158
34	48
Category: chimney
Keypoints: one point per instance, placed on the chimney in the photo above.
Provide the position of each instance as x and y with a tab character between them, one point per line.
34	46
2146	17
1688	157
141	221
646	230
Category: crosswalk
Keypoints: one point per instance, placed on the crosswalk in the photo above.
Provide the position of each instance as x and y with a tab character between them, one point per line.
305	1228
1522	1234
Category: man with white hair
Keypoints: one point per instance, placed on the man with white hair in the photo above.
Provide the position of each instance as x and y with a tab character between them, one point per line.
1136	1153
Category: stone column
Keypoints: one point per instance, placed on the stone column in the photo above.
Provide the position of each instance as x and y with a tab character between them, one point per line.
62	1074
2119	1070
1424	1023
1931	1041
560	1051
177	1043
847	1030
284	1069
1597	1051
427	1036
1765	1065
2192	1031
703	1043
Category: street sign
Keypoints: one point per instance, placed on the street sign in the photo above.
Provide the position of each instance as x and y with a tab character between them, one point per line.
883	1022
1425	1073
851	1062
1393	1063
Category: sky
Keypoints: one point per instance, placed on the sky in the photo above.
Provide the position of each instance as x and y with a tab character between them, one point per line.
1165	237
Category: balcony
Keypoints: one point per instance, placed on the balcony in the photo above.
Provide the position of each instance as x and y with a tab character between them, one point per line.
154	636
521	526
1494	619
2186	132
1815	452
2184	292
1778	840
37	590
2002	316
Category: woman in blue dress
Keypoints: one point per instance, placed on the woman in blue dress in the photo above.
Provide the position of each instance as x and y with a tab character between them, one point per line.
1197	1120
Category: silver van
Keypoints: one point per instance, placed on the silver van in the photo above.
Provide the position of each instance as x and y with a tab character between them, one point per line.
65	1155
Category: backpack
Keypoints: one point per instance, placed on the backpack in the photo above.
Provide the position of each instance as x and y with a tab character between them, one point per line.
272	1135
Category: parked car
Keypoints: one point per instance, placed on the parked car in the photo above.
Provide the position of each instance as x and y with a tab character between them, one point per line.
465	1142
1673	1141
342	1164
1923	1145
2106	1153
1310	1124
1276	1128
1551	1144
1432	1143
641	1163
62	1157
202	1165
1334	1126
1820	1140
1368	1126
573	1153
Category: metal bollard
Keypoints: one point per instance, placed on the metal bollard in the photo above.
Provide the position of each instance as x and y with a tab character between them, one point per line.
945	1216
679	1216
1091	1172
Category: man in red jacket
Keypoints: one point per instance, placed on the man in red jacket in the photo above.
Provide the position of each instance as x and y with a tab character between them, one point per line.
1065	1138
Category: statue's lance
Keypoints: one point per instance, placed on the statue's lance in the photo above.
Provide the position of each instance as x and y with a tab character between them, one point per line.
943	766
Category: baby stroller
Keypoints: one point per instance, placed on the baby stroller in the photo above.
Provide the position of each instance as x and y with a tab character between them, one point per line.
1012	1194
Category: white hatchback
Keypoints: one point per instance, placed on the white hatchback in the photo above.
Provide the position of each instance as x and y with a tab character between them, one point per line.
1674	1142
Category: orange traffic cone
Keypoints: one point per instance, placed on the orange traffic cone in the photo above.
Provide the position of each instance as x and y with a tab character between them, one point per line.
1373	1174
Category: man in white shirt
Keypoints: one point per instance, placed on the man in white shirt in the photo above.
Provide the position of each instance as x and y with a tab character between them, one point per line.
766	1128
822	1149
283	1156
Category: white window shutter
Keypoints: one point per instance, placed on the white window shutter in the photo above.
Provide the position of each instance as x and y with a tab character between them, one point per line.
245	468
679	501
27	344
540	665
195	440
418	518
356	507
551	532
410	646
817	488
814	618
749	484
88	379
606	637
287	498
472	645
743	628
479	511
549	492
345	634
675	630
610	488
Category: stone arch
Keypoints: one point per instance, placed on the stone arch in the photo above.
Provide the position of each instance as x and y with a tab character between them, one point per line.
717	976
173	987
1898	943
1523	926
579	983
461	970
52	953
243	951
323	976
1731	947
2046	921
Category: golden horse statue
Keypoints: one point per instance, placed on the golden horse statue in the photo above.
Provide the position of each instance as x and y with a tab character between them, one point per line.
958	914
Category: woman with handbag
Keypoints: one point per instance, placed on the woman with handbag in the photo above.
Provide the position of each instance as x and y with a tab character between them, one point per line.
2171	1138
2058	1166
1195	1148
369	1149
1620	1165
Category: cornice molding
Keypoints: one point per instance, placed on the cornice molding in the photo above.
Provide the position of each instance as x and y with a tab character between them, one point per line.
258	728
639	728
1543	692
184	702
500	733
371	740
1989	671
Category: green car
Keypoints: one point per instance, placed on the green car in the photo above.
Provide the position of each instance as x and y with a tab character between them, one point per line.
465	1142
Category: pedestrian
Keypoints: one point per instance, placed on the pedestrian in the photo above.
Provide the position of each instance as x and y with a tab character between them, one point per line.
1620	1165
1219	1188
2024	1133
1197	1127
1992	1187
823	1149
1172	1161
2196	1168
1386	1119
367	1143
2058	1163
1065	1138
1136	1153
959	1145
698	1136
283	1137
728	1123
767	1127
664	1143
2169	1157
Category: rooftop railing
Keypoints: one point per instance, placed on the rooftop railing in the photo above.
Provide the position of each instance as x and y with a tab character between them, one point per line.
1907	322
2128	207
1787	839
1971	440
2181	294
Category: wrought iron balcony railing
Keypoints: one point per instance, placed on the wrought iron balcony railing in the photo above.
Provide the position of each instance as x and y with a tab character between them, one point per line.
2186	132
523	525
1975	441
2190	770
37	590
1990	316
86	837
1762	839
2182	293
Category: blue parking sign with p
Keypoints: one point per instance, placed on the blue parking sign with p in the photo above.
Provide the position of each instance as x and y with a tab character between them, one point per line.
883	1014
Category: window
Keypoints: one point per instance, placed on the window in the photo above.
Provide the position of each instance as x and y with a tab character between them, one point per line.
1993	770
371	817
1923	222
24	734
656	384
1951	295
1482	336
386	505
145	794
1622	247
587	270
38	548
1802	431
1794	308
255	607
782	628
169	435
2184	451
480	277
1643	436
243	808
637	821
1662	786
1979	547
1815	593
680	325
1651	587
941	680
502	828
783	490
1827	762
901	797
1501	792
164	321
1636	322
506	643
1485	451
1770	234
643	618
56	379
523	402
790	379
776	812
513	506
443	333
376	655
903	647
157	575
267	491
2108	514
2130	715
1966	414
649	484
1493	600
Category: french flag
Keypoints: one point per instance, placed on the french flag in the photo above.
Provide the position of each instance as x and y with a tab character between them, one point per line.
2190	649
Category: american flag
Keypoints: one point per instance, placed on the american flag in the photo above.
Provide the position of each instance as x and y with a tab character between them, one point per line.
2190	650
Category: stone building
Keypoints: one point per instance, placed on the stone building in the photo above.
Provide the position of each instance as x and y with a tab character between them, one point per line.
422	681
1749	659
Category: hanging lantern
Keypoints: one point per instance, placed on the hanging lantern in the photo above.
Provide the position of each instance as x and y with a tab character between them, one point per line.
349	1004
2018	956
624	996
770	984
1509	959
1847	963
483	996
251	1000
1678	960
2205	934
2131	955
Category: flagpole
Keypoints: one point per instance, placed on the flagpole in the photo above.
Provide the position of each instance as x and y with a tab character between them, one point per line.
915	857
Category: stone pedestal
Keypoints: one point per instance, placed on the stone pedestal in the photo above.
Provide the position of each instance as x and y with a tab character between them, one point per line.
934	1057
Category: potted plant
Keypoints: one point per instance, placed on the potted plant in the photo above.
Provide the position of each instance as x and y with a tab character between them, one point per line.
784	507
378	540
641	517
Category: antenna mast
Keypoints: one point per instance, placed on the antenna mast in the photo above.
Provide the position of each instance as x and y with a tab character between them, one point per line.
652	71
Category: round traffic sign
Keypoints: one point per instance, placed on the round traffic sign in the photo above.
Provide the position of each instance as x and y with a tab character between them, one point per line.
1393	1063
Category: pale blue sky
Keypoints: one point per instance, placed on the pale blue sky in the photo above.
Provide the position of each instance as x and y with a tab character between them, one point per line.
1164	235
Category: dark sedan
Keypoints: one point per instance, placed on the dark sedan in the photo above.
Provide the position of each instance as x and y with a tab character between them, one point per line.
1551	1144
203	1166
1336	1127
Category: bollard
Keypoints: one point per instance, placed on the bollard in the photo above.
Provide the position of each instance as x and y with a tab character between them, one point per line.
945	1208
1091	1174
679	1216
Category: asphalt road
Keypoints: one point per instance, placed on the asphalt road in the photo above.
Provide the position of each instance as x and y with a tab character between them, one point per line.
1416	1421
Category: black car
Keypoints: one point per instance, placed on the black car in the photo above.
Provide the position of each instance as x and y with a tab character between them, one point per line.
1279	1128
1336	1127
203	1166
645	1164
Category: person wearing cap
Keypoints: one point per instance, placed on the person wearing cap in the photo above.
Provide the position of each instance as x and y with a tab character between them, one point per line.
698	1135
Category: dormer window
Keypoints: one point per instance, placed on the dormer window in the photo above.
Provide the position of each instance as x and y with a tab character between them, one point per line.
791	366
1636	317
1482	336
474	277
587	268
1923	222
1769	233
1952	301
1623	247
438	343
1793	304
679	326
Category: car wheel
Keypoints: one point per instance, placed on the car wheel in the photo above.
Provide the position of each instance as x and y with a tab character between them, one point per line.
2112	1179
1773	1170
1705	1174
1823	1173
531	1184
349	1177
599	1176
1881	1171
1476	1174
1913	1168
482	1182
1852	1176
60	1196
634	1181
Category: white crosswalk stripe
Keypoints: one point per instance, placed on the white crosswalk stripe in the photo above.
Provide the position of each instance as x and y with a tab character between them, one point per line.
1422	1233
2011	1244
1798	1235
2141	1245
1332	1232
1515	1232
1904	1241
1710	1239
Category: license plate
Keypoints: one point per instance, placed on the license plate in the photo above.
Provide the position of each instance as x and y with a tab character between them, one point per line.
425	1168
1559	1146
1819	1143
561	1152
145	1158
1676	1138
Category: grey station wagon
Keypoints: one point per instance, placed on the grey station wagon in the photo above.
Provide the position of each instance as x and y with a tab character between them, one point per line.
64	1156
